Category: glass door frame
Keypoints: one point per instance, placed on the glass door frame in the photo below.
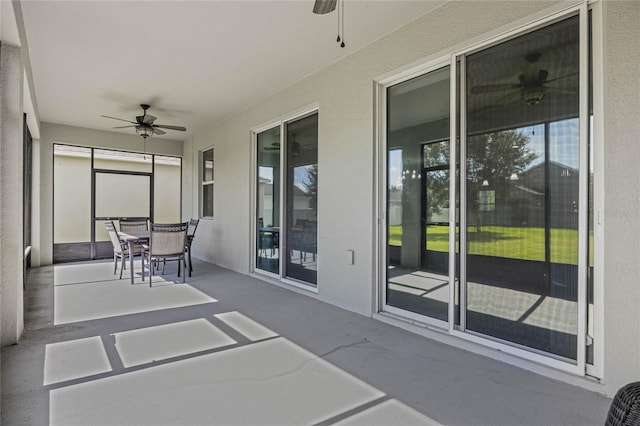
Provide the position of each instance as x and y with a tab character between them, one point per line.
253	235
456	326
381	156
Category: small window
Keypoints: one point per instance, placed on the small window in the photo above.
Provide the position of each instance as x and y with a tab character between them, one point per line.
207	183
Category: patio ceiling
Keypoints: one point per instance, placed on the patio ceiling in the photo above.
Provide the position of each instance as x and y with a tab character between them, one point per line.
195	63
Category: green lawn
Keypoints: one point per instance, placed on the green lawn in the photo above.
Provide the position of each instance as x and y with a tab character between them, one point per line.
503	241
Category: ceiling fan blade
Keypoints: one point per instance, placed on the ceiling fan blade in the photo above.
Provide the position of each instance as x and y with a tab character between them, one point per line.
158	131
560	90
476	90
324	6
561	77
122	127
121	119
164	126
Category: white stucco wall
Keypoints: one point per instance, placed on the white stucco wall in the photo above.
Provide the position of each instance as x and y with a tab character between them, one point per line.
622	192
11	193
344	93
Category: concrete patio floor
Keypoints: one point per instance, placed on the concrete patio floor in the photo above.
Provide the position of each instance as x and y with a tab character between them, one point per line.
227	349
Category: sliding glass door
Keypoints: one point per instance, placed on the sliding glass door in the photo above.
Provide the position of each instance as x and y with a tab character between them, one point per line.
511	197
418	195
522	198
287	163
302	199
267	185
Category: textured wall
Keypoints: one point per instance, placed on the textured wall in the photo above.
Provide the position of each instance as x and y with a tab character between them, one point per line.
344	93
11	219
622	192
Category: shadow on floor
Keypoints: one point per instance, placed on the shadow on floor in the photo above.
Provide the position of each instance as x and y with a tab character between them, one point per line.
227	349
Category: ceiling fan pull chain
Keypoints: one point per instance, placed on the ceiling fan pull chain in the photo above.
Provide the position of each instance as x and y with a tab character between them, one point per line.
342	44
338	39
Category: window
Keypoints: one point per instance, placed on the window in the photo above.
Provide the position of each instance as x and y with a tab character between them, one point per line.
207	183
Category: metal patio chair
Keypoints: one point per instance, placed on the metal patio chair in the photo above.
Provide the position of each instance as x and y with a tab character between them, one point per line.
120	248
133	224
167	241
191	233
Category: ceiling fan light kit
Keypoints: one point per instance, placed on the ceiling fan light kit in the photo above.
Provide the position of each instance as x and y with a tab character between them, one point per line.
145	132
144	124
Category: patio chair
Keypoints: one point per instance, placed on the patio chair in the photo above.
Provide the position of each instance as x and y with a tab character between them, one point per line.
120	248
167	241
191	234
133	224
625	407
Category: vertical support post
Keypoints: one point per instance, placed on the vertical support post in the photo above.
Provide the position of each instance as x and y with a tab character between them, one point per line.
11	193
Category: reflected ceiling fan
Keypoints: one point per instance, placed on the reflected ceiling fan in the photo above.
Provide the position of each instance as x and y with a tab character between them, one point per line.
531	86
295	145
144	124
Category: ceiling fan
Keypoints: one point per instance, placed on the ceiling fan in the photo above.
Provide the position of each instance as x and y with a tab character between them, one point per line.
295	146
321	7
324	6
531	86
144	124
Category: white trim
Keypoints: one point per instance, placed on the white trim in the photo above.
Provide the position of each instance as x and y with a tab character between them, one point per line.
462	128
583	187
253	193
528	354
299	284
417	319
379	196
597	141
453	164
481	348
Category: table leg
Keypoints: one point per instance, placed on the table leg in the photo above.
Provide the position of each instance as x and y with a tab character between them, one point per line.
131	244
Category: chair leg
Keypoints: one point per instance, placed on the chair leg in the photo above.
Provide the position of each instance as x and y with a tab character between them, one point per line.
122	262
115	263
184	269
151	264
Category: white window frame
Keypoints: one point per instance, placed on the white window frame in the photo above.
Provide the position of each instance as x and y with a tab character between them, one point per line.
204	183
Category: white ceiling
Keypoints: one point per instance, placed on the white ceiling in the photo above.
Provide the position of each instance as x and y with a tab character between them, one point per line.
194	62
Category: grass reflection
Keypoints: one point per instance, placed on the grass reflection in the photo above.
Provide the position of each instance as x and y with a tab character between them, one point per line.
503	241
